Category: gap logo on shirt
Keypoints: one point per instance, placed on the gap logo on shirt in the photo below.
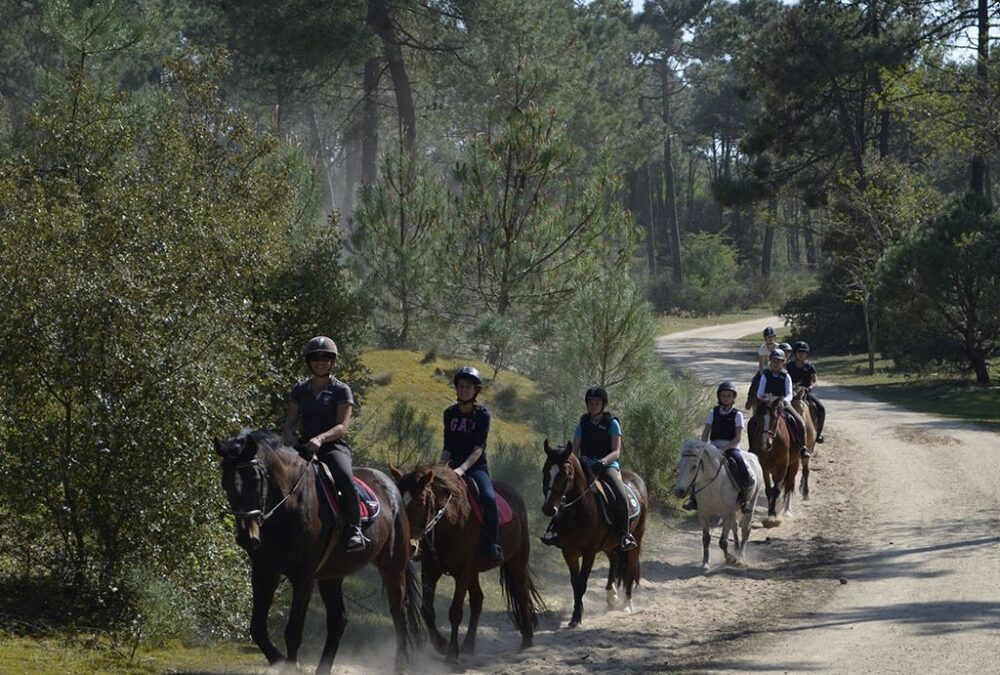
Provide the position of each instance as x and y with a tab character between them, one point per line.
463	424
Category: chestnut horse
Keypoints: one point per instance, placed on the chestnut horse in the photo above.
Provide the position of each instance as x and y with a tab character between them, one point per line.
808	414
583	533
448	536
272	492
771	441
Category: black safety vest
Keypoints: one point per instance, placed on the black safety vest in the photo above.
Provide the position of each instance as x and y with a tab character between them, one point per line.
595	439
723	425
775	382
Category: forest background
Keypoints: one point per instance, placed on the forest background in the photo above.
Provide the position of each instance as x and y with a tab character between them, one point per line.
190	189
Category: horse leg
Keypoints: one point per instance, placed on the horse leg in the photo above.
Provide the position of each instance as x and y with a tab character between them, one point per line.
580	588
302	588
455	613
394	582
475	609
706	538
728	523
573	563
788	491
804	483
332	593
429	575
264	585
614	559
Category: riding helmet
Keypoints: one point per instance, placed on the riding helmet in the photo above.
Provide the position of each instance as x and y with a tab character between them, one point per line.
320	345
802	346
768	331
596	392
778	354
725	386
467	373
785	347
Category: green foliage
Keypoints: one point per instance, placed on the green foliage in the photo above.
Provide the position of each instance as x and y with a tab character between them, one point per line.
710	273
406	437
941	289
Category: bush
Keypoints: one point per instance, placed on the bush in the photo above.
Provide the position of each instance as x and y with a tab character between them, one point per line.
505	400
710	275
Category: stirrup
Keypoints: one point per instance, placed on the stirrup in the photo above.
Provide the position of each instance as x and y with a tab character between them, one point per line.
804	452
357	541
820	439
628	542
745	507
550	538
494	554
690	504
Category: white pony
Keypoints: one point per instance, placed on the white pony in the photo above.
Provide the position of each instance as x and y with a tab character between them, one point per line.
703	472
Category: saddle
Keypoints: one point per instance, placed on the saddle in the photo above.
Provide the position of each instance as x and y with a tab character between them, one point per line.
504	512
789	423
329	496
606	498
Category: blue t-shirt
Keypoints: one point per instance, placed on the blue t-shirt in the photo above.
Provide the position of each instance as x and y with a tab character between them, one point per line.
614	429
464	432
318	412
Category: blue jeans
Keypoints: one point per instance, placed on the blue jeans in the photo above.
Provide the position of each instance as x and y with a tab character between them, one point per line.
488	502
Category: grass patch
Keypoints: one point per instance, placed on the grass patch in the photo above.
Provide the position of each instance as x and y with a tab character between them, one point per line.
944	393
678	323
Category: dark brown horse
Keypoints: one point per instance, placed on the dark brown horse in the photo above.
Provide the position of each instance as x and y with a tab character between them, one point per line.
583	533
808	413
448	536
771	441
272	492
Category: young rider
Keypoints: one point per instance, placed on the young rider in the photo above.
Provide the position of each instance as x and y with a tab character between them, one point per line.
323	405
775	381
803	373
724	429
763	355
466	426
598	441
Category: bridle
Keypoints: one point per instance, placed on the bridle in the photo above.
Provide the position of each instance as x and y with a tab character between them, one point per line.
563	504
701	464
262	477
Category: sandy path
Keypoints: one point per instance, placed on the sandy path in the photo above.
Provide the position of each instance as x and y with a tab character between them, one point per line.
904	509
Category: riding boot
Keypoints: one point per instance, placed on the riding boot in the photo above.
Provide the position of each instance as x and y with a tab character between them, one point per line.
820	439
691	504
804	452
745	507
551	536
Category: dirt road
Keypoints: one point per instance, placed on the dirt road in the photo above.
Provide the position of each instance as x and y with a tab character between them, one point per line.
893	566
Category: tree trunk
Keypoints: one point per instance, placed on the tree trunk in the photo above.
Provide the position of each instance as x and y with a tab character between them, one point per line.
978	361
369	122
672	222
766	250
352	166
320	160
379	19
869	338
978	172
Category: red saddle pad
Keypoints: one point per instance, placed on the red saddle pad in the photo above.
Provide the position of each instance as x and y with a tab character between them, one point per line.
503	508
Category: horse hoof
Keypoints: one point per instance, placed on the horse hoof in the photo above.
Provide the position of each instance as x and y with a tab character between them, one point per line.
468	648
704	568
526	643
573	624
770	522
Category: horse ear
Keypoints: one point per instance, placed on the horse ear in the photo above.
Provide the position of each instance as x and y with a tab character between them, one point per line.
424	481
567	451
249	446
396	473
548	448
218	446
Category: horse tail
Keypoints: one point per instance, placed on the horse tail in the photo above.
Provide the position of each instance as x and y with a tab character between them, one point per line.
415	632
521	601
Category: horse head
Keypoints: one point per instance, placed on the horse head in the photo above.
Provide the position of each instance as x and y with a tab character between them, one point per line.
765	421
246	480
690	463
557	476
426	492
801	392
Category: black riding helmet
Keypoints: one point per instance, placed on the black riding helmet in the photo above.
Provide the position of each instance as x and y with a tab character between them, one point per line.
468	373
596	392
801	346
768	331
725	386
320	345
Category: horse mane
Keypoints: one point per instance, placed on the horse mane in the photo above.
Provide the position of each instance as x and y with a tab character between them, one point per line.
695	444
244	445
444	477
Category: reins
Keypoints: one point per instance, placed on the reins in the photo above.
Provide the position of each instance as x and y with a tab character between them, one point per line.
259	469
701	463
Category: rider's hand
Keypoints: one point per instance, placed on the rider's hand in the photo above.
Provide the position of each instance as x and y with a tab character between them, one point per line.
314	444
600	466
460	471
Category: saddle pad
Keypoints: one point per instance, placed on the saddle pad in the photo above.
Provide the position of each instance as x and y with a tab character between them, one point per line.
606	493
369	503
504	513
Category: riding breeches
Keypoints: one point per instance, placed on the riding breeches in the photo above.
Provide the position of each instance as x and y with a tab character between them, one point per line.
614	477
488	502
820	412
338	458
743	478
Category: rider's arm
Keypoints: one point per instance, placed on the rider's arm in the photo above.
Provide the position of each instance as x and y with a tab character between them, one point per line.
616	443
291	419
445	455
477	452
482	431
812	378
735	443
706	432
338	430
762	386
788	389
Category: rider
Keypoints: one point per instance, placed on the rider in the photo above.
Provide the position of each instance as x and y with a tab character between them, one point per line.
323	404
466	426
775	381
763	354
803	373
598	441
724	429
787	348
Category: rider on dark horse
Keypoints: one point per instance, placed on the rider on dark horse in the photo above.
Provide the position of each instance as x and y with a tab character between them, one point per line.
466	426
775	381
724	429
598	442
323	405
763	356
803	373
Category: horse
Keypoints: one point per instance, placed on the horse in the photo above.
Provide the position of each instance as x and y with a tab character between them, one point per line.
771	441
448	540
703	471
272	492
583	533
808	414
